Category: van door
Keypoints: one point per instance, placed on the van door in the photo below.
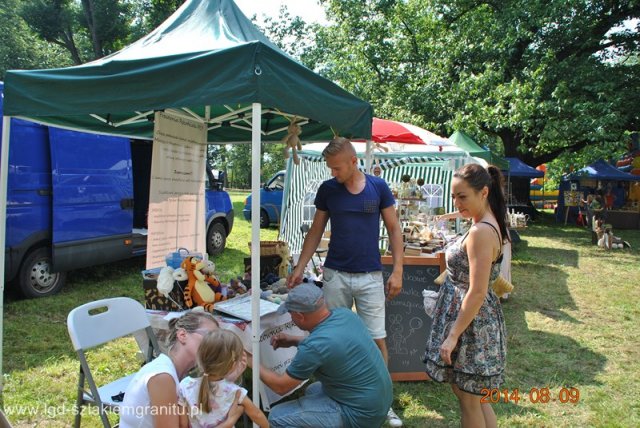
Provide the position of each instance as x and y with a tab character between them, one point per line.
92	199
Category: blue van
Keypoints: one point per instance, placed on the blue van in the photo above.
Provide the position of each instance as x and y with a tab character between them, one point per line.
271	196
76	200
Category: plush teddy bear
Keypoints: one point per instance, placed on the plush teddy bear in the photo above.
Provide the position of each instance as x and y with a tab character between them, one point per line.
292	141
201	290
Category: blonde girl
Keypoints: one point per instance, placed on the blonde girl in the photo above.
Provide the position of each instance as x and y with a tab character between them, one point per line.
151	399
208	399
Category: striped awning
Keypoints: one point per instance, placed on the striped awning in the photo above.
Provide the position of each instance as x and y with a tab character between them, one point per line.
303	181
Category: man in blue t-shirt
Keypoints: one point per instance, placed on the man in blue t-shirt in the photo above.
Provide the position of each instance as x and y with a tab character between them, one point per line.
354	388
354	202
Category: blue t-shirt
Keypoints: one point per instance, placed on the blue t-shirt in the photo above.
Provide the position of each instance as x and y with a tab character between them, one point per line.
343	356
355	223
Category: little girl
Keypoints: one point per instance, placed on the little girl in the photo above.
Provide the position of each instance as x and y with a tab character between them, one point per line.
207	399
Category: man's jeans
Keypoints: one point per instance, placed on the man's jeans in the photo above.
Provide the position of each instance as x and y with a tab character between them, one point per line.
313	410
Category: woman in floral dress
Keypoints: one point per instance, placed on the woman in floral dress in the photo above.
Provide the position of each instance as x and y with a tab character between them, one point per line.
467	344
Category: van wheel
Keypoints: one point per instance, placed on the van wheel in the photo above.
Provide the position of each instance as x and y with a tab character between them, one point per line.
216	239
264	219
36	278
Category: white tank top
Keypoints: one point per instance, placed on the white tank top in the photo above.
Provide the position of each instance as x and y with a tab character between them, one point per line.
136	411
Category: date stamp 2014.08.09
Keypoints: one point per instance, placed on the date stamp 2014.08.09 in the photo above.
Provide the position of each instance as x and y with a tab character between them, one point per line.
542	395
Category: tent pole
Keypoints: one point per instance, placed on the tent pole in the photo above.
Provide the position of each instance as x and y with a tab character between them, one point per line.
4	174
367	158
255	248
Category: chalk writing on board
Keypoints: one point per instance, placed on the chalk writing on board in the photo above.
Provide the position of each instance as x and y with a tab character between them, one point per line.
407	324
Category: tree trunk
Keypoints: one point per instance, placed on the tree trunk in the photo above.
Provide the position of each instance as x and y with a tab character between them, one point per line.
70	45
90	16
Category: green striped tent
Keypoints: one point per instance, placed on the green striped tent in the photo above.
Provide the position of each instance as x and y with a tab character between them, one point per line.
303	180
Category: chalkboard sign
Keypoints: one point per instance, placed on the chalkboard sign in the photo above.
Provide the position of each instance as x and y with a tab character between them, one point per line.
406	322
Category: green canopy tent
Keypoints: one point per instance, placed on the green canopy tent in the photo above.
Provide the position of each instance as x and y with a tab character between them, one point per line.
206	61
466	143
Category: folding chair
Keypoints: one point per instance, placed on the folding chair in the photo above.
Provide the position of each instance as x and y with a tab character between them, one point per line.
4	422
99	322
304	228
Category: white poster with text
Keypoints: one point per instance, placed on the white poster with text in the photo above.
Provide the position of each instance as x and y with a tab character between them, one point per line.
176	195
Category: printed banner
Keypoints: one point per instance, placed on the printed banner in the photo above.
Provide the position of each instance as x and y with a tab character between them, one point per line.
176	194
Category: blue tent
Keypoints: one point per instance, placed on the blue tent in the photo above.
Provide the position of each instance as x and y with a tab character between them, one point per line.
601	170
517	168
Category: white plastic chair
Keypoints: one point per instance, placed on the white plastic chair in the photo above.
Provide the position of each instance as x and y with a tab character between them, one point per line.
99	322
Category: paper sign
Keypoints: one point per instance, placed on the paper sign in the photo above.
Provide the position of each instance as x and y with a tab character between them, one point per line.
176	195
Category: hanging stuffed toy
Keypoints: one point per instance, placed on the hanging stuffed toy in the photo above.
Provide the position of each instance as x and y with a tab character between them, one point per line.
292	141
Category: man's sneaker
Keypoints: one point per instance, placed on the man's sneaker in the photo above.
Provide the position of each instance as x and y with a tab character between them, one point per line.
393	419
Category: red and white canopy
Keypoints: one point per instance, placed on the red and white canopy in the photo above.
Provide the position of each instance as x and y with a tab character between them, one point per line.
384	131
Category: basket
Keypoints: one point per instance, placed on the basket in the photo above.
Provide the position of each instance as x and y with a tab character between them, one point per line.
273	248
268	264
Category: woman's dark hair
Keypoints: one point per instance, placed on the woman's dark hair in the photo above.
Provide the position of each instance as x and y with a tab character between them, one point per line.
477	177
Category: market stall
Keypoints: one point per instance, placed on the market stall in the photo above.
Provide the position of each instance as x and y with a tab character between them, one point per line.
426	162
600	178
519	186
234	80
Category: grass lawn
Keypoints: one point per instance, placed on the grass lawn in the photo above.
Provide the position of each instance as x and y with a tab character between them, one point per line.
572	323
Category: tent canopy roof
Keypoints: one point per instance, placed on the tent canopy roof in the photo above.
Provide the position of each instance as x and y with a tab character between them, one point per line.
601	170
466	143
394	150
521	169
207	59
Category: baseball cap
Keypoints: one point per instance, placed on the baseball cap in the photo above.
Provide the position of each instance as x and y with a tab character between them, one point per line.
303	298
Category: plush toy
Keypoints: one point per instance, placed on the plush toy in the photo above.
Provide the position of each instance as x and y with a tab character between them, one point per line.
181	276
209	268
201	290
292	141
283	252
237	286
165	281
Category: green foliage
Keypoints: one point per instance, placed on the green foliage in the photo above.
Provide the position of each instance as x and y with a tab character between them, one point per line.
236	160
91	29
55	21
20	48
107	24
532	79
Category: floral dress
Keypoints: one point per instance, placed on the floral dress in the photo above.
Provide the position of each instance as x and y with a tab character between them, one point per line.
480	355
221	397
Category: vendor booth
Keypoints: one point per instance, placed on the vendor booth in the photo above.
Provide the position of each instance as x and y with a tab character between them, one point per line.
600	178
429	163
206	63
406	323
518	177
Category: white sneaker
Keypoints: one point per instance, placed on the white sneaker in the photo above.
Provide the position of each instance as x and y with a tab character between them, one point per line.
393	419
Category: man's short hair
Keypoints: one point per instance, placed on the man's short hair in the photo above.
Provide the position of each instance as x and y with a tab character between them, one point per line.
338	145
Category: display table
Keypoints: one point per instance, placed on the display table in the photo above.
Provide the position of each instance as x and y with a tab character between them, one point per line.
270	325
523	209
406	322
622	219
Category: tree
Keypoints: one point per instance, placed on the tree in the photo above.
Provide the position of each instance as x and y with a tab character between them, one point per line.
20	48
533	79
106	23
54	21
88	29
